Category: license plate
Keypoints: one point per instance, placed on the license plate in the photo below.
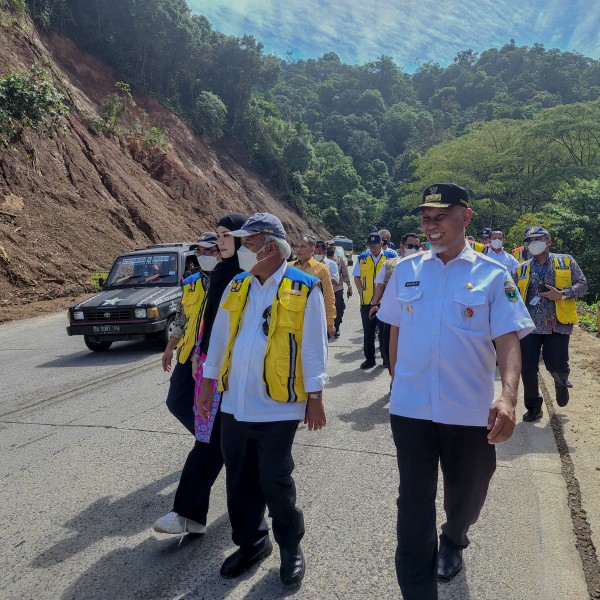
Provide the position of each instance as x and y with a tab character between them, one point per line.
106	329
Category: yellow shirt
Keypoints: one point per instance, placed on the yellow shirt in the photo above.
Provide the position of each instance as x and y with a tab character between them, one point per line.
321	272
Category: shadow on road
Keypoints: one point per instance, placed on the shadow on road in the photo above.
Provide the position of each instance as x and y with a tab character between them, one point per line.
106	517
121	354
357	375
365	419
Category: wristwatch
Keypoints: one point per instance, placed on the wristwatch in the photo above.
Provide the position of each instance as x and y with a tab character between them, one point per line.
315	395
563	296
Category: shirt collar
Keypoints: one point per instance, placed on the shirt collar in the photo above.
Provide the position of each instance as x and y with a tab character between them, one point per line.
467	253
275	278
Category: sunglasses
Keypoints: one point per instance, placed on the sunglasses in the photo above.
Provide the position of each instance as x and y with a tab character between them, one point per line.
385	241
413	246
267	320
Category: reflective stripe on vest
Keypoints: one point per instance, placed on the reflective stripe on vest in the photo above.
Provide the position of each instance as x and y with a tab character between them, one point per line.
282	367
368	272
193	302
566	310
519	254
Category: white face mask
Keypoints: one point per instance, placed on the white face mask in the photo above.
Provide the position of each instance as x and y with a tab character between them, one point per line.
497	244
410	251
536	247
319	257
247	258
207	263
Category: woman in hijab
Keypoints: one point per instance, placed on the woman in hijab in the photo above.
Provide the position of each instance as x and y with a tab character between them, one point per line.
204	462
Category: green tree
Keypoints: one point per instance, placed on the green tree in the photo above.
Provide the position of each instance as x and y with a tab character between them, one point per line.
210	115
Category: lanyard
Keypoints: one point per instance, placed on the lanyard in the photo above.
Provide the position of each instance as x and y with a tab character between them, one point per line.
541	273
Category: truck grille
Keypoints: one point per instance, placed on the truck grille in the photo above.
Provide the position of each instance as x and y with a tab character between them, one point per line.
108	314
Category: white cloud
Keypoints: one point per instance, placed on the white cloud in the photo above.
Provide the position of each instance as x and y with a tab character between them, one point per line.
361	30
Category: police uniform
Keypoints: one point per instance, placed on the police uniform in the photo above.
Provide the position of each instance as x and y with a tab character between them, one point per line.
367	268
443	388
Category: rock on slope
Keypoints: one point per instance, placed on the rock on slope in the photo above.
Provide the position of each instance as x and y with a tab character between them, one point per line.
78	201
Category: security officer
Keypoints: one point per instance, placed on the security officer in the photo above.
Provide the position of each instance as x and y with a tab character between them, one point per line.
184	332
338	288
446	306
268	349
366	269
549	284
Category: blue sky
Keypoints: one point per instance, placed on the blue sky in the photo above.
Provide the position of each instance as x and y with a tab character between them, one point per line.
411	31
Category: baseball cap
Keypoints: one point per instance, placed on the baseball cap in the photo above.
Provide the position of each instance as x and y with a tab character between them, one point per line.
443	195
486	232
206	240
535	232
261	223
373	239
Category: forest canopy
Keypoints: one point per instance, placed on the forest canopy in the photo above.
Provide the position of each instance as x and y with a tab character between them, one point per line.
353	145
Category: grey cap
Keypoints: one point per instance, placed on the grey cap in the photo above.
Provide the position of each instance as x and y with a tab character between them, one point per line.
207	240
261	223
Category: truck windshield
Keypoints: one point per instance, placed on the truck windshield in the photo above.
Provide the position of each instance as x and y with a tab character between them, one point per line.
141	269
345	244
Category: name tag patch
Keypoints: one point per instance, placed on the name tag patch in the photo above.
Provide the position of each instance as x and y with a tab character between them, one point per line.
412	283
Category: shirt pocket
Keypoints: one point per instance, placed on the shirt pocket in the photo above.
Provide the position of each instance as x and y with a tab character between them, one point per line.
409	302
470	311
289	311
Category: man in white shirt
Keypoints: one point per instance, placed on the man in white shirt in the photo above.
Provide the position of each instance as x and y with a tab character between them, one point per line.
268	349
496	252
446	306
320	255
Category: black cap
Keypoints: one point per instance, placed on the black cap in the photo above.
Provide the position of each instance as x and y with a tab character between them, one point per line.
207	240
486	232
373	239
321	244
261	223
443	195
535	232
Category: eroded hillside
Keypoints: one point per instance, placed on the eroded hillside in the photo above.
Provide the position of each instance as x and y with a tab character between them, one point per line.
68	206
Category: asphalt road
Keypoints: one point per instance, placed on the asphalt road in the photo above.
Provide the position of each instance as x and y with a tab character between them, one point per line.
89	457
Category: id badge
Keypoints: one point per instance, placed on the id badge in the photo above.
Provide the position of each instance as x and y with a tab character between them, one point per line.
535	300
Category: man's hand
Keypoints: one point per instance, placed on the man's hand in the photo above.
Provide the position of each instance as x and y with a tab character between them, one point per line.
373	311
195	361
330	330
552	293
167	357
314	416
501	420
350	292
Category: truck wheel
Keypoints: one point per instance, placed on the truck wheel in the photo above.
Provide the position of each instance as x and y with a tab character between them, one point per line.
96	346
164	336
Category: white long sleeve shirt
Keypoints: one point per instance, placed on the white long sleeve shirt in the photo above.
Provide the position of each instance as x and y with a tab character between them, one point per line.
247	399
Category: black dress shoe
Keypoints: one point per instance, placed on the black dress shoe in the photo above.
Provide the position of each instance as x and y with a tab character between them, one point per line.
562	394
239	562
292	567
367	364
449	562
533	414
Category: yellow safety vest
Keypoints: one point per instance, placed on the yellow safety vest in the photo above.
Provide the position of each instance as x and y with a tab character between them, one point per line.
566	310
519	254
282	372
194	303
368	271
477	246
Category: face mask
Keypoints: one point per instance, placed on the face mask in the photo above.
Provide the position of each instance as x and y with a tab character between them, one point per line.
409	251
207	263
536	247
247	258
319	257
497	244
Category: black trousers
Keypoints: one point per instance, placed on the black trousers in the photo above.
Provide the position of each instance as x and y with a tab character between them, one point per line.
384	341
369	332
340	307
180	399
554	348
200	471
259	465
468	463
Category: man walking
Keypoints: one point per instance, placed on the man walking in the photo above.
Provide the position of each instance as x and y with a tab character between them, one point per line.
549	284
268	349
366	269
496	251
446	306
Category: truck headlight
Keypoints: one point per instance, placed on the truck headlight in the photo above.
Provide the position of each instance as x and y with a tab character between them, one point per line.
78	315
152	312
140	313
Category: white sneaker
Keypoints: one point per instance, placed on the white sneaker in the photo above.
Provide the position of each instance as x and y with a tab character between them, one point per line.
174	523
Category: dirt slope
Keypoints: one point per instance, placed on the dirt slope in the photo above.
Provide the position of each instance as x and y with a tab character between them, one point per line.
79	201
